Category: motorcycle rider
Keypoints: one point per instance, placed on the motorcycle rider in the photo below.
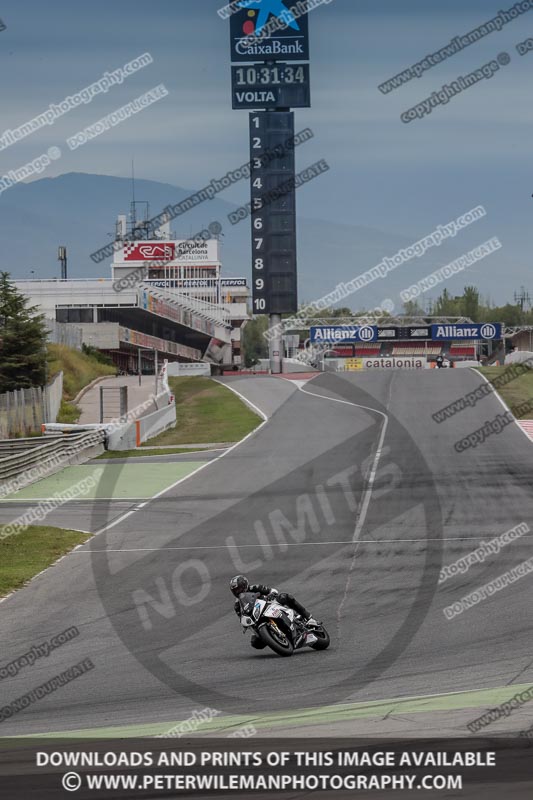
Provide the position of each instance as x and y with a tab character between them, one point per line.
240	584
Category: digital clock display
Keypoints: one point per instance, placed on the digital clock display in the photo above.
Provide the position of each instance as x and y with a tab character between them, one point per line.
279	75
270	86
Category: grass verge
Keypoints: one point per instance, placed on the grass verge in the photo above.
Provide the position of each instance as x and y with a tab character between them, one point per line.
68	413
207	412
516	391
25	554
79	369
147	452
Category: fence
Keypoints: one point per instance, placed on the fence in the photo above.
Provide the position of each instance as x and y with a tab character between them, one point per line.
23	411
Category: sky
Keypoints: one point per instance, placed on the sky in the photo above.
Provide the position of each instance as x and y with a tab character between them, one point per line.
402	179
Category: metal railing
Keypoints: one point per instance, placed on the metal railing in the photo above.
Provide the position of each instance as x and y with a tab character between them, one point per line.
33	459
211	311
10	446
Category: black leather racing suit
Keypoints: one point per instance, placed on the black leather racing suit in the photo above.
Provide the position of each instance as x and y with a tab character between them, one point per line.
282	597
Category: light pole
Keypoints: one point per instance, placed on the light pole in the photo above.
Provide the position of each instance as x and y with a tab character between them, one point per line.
139	364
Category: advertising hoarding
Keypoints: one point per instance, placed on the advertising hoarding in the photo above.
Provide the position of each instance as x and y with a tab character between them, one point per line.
482	330
407	362
173	253
270	30
343	333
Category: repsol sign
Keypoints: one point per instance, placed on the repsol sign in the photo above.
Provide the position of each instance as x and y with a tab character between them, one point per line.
409	362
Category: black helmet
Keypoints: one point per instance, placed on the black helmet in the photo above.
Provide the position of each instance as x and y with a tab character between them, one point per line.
238	585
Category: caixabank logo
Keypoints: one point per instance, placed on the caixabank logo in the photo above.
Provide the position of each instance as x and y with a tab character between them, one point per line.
270	30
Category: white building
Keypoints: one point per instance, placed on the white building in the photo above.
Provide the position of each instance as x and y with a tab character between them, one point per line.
165	297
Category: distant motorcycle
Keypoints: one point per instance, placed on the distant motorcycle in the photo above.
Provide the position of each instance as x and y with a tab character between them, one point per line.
279	627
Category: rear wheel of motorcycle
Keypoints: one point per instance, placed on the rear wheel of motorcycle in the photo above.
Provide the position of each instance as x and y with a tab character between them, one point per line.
270	638
323	639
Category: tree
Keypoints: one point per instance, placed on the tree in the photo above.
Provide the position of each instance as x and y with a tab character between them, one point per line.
341	312
509	314
22	340
254	344
446	306
470	303
412	308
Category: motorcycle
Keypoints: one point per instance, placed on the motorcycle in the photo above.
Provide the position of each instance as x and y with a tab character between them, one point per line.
279	627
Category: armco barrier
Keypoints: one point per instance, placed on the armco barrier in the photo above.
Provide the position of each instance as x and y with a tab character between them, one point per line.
25	461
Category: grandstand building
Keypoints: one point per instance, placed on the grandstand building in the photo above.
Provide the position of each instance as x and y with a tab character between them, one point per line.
391	340
454	351
165	298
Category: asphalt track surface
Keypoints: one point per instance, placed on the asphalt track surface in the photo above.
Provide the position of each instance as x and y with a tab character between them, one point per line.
353	506
135	485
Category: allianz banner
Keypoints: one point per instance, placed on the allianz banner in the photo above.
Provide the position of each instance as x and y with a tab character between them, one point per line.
336	334
482	330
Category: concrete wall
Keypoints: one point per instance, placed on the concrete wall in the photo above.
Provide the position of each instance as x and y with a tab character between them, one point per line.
295	365
64	333
175	368
49	293
103	335
157	421
131	434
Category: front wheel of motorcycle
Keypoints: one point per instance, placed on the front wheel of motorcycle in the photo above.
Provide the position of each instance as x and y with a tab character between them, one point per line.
323	639
276	640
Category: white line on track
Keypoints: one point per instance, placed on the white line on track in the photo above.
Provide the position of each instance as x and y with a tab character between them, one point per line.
361	517
198	469
294	544
159	494
372	476
502	401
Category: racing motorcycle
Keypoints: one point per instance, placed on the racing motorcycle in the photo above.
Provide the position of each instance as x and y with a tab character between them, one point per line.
279	627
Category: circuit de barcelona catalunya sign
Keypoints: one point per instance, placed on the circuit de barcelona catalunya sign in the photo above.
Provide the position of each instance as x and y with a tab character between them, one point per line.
343	333
483	330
